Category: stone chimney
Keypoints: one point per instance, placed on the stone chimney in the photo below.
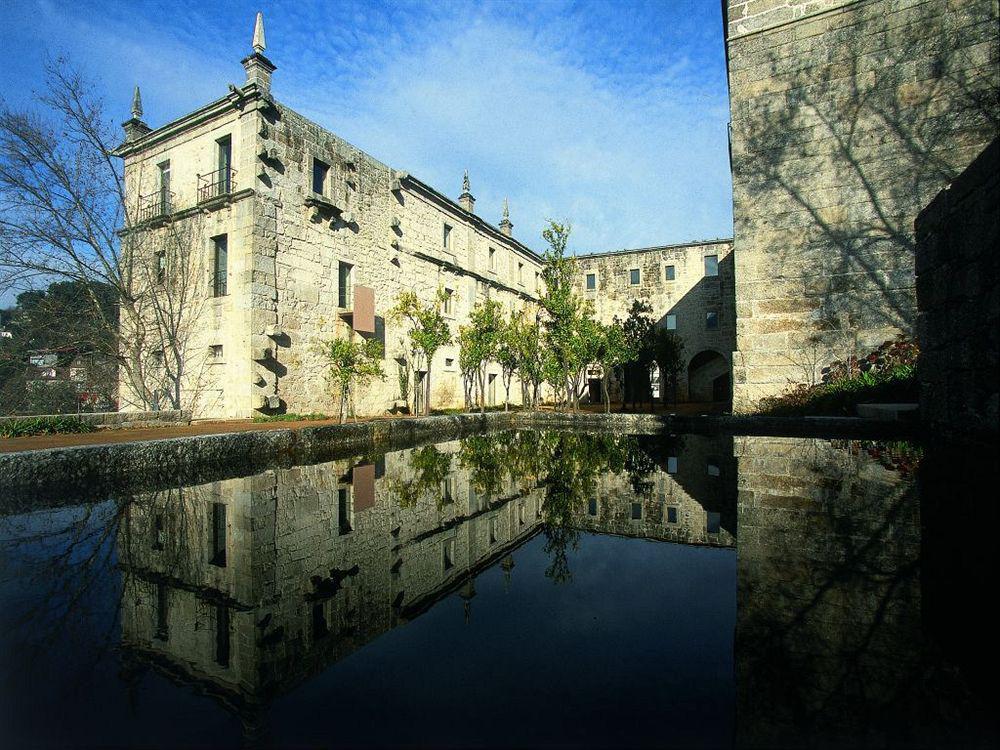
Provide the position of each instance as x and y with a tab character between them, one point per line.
134	127
465	200
258	67
505	225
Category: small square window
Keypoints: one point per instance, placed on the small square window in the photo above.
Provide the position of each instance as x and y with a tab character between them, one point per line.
672	514
711	265
713	522
592	506
668	273
215	350
712	320
672	465
321	171
634	276
591	282
671	322
636	511
449	362
713	467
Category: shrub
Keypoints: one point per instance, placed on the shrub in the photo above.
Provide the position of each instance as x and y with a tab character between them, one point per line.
48	425
290	417
887	374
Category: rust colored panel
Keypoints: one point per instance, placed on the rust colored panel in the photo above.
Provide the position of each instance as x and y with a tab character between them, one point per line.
364	309
363	481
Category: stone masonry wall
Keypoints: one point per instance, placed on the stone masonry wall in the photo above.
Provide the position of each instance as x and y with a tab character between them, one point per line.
688	296
847	118
958	297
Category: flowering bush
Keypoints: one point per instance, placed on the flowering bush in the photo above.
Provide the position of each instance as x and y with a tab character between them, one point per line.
886	374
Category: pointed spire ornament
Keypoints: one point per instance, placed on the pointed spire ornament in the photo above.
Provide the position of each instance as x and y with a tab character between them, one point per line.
465	200
259	45
505	225
136	105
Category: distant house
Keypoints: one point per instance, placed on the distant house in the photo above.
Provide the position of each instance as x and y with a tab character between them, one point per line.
86	377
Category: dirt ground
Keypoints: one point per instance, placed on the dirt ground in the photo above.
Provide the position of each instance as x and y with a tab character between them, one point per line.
130	434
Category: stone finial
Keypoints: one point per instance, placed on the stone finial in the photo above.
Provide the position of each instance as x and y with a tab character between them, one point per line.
505	226
136	105
259	45
258	67
465	200
134	127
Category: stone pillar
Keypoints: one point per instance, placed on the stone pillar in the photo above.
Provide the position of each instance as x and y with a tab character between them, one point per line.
465	200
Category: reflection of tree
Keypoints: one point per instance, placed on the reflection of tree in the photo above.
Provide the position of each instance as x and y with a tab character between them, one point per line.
429	467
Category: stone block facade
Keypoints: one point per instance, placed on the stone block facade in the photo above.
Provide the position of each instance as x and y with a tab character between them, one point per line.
847	118
958	298
305	218
690	288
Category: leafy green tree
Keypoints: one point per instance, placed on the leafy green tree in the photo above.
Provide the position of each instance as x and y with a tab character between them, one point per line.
668	353
613	352
352	365
639	332
428	332
525	334
481	340
508	353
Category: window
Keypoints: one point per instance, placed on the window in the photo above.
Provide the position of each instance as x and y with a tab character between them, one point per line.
215	352
345	285
448	550
672	514
520	514
345	511
158	356
538	281
222	635
449	362
712	320
447	304
447	237
712	522
668	273
224	149
672	465
164	207
447	491
161	266
671	322
520	274
713	467
591	282
634	276
162	612
711	265
218	557
592	506
636	511
493	259
321	171
220	265
493	530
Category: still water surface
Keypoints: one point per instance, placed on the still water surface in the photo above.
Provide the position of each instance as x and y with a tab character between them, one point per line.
517	589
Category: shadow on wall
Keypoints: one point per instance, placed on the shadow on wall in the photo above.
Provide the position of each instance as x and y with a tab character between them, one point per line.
833	161
706	322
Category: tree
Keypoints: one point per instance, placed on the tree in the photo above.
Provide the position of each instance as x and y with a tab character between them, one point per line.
525	335
613	352
638	327
481	340
64	217
508	354
428	332
668	353
352	365
563	313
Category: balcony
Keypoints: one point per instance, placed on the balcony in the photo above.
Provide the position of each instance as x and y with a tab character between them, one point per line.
158	205
217	184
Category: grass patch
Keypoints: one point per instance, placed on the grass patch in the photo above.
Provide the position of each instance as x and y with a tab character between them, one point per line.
291	417
841	398
47	425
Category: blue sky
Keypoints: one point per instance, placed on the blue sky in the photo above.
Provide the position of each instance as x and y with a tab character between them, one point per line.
609	114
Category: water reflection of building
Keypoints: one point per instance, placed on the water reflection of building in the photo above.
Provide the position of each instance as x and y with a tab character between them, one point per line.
829	601
248	586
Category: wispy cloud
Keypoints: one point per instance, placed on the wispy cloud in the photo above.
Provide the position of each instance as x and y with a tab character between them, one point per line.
610	115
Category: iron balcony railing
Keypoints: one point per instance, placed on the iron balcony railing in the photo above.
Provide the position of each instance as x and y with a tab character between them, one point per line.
216	184
155	205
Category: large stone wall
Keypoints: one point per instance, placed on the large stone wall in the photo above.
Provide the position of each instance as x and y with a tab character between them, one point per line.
958	277
847	118
689	296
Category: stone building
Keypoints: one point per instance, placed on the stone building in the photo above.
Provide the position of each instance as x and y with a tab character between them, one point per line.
690	288
847	117
299	237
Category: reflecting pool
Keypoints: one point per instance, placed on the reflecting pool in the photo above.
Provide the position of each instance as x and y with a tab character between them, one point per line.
514	589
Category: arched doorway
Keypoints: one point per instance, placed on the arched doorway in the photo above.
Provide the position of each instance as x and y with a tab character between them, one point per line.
709	377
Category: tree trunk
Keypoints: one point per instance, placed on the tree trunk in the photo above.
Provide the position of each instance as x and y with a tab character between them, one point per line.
427	389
